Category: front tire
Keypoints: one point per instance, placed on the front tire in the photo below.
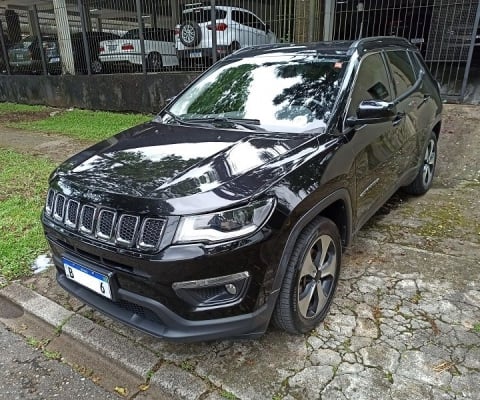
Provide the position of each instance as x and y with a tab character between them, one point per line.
311	278
424	178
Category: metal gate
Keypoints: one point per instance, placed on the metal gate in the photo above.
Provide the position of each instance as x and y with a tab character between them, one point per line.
445	31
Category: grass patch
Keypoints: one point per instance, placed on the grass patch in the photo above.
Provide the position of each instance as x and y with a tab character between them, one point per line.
227	395
23	184
476	328
84	124
52	355
14	107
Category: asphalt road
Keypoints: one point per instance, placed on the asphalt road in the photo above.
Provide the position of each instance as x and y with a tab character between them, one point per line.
26	373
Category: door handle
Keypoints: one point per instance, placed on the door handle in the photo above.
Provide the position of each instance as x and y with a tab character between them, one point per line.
426	97
398	118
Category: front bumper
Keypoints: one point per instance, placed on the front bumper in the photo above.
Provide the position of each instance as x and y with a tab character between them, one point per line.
144	296
156	319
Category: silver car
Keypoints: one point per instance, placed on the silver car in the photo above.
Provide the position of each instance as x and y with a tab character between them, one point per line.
235	28
159	50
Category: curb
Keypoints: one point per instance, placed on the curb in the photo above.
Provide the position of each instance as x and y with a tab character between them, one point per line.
114	360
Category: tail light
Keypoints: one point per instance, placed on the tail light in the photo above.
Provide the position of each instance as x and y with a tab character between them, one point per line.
101	49
128	46
177	30
219	27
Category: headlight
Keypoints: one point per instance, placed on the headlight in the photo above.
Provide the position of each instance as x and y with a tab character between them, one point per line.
224	225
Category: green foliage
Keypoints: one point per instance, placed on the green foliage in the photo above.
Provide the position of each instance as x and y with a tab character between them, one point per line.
227	395
52	355
84	124
36	343
14	107
187	366
227	94
23	183
476	328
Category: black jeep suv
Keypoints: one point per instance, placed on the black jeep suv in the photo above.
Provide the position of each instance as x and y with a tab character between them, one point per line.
232	207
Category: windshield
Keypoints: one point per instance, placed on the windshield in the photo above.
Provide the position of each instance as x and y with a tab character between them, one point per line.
283	93
25	42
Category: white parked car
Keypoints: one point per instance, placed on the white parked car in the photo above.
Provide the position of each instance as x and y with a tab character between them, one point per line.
235	27
159	49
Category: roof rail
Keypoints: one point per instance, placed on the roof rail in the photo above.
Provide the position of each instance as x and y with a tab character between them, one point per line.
193	5
366	42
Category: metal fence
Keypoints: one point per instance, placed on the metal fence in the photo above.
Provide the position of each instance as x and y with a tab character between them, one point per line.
104	36
150	36
446	32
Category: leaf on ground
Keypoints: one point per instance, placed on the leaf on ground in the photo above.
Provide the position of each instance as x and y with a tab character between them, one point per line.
143	387
443	366
121	390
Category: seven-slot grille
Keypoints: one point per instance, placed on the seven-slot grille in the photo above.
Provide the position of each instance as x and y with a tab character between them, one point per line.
105	224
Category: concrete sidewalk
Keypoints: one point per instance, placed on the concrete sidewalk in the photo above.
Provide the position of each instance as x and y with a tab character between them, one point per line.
405	323
27	374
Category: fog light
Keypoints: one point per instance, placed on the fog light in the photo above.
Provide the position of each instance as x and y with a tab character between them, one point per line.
211	293
232	289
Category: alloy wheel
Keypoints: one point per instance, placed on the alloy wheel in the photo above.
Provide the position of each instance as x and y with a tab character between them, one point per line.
317	277
429	163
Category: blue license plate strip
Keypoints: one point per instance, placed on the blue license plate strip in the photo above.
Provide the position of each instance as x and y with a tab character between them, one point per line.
88	277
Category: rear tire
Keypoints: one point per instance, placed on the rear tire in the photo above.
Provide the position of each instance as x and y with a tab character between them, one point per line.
311	278
423	181
154	61
234	47
96	67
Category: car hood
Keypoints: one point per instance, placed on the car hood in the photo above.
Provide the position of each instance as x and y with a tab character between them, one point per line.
189	169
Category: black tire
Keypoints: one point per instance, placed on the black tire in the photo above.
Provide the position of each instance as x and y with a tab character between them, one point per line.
96	66
234	47
190	34
313	269
154	61
423	181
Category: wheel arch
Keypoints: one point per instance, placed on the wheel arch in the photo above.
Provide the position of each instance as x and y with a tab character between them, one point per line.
336	207
436	129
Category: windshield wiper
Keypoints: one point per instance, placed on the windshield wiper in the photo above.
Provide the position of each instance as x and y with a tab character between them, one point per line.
176	118
252	124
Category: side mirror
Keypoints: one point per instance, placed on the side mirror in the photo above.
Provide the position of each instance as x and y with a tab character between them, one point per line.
371	112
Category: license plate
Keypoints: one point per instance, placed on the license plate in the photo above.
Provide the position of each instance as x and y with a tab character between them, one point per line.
87	277
112	47
417	40
196	54
54	60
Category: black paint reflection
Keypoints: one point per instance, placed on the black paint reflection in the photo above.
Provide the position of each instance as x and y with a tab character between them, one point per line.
283	93
314	96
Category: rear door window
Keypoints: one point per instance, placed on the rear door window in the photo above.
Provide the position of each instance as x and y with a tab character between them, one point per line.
203	15
165	35
240	17
256	23
402	70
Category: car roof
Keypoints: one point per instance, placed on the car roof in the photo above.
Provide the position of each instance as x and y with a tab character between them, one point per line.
335	47
217	7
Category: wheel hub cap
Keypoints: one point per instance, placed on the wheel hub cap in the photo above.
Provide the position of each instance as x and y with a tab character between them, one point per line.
317	277
429	163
